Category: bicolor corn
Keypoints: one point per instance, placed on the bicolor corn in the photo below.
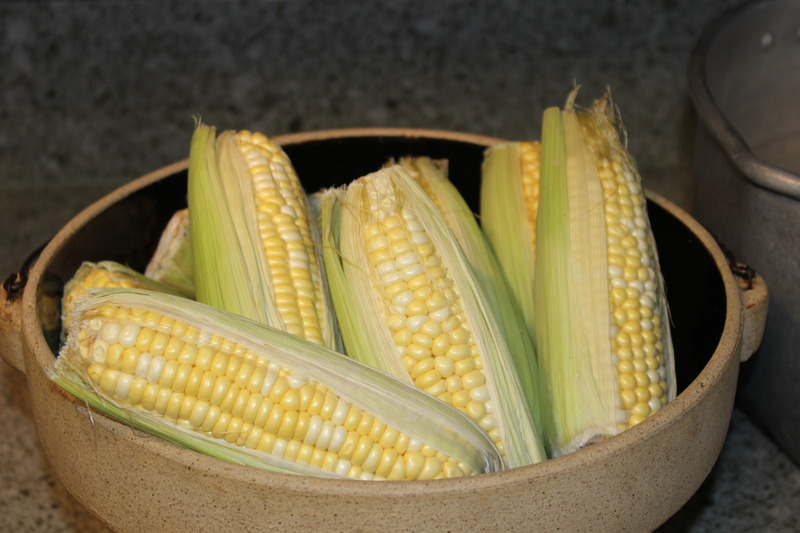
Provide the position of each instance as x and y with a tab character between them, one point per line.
592	287
397	272
254	240
236	389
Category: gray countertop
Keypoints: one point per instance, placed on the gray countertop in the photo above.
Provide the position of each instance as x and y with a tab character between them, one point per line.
96	93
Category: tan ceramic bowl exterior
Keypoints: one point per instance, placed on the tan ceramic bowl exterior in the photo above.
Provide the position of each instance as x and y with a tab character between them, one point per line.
134	482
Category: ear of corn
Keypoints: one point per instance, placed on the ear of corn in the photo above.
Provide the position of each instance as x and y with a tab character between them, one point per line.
255	244
509	206
104	274
172	262
232	388
410	304
600	319
432	176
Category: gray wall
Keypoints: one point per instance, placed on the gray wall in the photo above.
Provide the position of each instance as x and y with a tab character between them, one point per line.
99	92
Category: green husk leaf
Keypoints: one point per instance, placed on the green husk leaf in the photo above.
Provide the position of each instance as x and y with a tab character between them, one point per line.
567	316
503	219
229	265
356	310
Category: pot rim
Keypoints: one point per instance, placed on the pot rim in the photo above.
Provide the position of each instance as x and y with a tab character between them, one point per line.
726	352
755	169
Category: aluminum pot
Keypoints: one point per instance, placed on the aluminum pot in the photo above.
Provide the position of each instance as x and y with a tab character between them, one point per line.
744	80
134	482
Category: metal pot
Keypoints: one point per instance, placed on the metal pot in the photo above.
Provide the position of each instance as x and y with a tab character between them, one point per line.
744	80
632	482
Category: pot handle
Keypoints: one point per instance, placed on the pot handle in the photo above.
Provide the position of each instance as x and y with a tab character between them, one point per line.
11	325
11	313
755	300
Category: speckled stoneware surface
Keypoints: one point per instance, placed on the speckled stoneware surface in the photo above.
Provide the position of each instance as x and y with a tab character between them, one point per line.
96	93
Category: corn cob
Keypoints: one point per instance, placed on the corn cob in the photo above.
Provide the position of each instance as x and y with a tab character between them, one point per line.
105	274
600	320
255	245
432	176
233	388
172	262
510	199
410	305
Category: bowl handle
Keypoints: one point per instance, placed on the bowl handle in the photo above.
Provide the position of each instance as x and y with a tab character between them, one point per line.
10	323
755	298
11	313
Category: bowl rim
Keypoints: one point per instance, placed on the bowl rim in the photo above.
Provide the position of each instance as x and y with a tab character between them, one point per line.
726	353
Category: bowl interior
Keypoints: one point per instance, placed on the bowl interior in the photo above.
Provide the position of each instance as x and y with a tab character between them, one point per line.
127	231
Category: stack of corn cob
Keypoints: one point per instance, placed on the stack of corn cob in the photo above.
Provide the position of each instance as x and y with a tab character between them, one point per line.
379	332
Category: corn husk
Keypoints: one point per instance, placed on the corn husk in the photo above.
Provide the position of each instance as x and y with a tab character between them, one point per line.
366	335
405	407
172	263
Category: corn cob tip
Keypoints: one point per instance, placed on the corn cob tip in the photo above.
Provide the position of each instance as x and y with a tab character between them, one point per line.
572	97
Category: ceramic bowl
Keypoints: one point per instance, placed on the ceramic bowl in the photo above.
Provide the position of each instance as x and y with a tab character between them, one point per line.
135	482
